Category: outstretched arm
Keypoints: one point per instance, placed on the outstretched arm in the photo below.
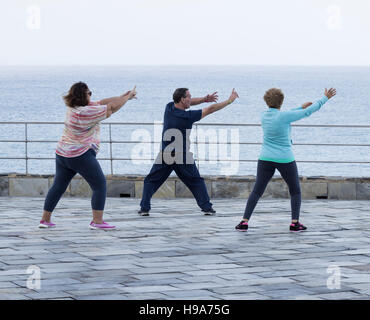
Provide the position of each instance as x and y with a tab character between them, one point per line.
218	106
303	106
307	108
208	98
117	104
108	100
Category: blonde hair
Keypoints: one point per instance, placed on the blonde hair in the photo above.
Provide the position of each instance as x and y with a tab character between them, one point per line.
274	98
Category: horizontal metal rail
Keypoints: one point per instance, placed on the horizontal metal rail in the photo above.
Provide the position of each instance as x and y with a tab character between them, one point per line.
205	142
209	160
199	124
111	141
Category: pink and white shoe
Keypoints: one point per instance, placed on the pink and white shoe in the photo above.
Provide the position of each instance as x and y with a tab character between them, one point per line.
44	224
102	226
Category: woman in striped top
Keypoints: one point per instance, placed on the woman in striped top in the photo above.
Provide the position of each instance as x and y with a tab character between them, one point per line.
77	148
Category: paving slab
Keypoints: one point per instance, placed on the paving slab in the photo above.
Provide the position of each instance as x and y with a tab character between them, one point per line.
178	253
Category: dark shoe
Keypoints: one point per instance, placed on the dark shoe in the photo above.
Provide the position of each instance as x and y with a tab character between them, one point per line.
242	226
209	212
143	213
297	227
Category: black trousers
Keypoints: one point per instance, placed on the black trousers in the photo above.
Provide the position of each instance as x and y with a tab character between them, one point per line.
265	171
188	174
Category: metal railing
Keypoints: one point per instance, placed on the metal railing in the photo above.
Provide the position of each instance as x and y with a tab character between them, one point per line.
196	143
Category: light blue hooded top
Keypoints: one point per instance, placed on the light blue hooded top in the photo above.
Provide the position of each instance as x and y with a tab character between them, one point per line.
277	143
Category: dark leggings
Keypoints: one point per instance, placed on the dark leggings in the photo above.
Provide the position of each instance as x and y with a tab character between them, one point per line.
88	167
265	171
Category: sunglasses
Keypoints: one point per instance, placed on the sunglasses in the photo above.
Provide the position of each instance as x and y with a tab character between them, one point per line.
89	93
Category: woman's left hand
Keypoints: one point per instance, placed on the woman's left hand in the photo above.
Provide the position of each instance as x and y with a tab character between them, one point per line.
306	104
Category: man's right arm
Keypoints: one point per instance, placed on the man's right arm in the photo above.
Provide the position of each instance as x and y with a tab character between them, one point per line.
218	106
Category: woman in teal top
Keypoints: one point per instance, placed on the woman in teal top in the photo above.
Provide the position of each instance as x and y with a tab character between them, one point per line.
277	153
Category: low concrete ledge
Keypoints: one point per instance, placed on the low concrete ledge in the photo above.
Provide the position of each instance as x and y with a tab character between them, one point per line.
340	188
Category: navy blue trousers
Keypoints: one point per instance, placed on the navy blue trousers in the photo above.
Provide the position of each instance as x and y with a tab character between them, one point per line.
188	174
88	167
265	171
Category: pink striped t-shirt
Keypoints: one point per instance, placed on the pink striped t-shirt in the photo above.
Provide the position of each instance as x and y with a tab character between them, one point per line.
81	130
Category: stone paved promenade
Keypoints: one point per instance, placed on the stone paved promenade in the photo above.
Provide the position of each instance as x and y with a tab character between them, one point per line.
177	253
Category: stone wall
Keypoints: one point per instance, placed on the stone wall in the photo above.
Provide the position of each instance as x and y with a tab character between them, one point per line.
218	187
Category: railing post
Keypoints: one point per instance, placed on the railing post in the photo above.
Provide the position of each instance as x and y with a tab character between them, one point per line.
110	145
196	144
26	141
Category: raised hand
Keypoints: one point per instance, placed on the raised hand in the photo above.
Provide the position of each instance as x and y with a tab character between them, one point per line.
233	96
132	94
211	97
331	93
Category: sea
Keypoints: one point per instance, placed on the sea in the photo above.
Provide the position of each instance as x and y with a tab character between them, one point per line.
323	148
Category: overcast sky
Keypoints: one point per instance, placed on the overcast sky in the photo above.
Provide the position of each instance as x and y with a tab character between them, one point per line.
157	32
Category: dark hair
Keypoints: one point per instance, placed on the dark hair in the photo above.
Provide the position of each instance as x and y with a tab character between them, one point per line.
76	96
179	93
274	98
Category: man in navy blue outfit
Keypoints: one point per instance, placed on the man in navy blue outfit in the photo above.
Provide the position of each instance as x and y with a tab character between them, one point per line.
175	154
